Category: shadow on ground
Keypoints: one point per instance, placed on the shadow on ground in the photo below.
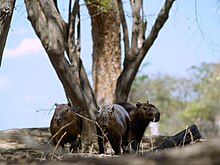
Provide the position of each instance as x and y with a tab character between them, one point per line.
32	146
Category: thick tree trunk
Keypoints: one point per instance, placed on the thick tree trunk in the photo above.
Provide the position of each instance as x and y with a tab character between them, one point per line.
6	12
106	49
57	37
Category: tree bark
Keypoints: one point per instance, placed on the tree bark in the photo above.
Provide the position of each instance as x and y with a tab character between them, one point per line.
6	12
58	37
106	49
135	54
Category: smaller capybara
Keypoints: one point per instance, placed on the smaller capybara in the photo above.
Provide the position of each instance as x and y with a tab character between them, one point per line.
141	116
65	121
113	122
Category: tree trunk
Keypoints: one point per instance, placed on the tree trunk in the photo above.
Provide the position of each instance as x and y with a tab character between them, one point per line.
106	49
58	37
6	12
140	46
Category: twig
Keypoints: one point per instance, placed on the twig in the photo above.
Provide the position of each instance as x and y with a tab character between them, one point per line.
94	122
41	109
48	143
59	142
204	36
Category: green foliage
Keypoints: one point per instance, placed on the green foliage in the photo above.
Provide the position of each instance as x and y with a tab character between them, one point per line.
102	5
181	100
197	111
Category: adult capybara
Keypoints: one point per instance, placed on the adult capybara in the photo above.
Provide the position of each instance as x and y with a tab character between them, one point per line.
66	123
141	116
114	123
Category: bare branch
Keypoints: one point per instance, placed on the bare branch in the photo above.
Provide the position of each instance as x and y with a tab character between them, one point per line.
160	21
87	89
55	2
124	27
136	7
136	55
59	142
71	47
201	31
50	27
73	50
70	9
142	29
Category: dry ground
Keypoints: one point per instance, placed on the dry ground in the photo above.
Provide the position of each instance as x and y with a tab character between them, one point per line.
30	146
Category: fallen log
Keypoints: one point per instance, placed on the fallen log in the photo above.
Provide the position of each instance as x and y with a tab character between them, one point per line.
180	139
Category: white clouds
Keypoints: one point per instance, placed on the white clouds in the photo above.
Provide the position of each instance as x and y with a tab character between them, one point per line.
27	46
34	98
29	98
4	83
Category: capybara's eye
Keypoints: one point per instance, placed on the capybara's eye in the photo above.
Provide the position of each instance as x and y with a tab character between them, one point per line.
145	108
66	109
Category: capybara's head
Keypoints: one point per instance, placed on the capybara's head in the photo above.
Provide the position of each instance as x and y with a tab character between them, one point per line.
63	113
150	112
104	116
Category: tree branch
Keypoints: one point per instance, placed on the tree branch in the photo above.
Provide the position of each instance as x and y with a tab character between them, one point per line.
73	50
71	46
50	27
88	92
55	2
136	55
6	12
124	27
136	7
160	21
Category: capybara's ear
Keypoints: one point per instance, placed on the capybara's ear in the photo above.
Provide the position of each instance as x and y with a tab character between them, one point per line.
138	104
69	104
112	109
147	102
56	104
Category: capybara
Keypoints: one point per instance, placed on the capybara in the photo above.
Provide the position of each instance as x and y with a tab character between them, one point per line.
141	116
113	122
65	121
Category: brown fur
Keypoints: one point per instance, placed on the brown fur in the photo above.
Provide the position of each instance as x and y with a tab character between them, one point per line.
141	116
113	121
64	115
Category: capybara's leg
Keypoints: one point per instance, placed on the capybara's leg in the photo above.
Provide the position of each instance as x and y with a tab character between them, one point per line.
116	145
100	141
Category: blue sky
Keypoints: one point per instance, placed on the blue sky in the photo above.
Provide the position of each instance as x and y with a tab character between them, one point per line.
29	83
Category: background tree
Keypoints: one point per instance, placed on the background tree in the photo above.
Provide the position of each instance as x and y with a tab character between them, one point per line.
168	93
203	108
191	99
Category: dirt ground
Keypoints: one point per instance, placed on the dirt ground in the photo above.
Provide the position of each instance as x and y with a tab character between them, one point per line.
32	146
